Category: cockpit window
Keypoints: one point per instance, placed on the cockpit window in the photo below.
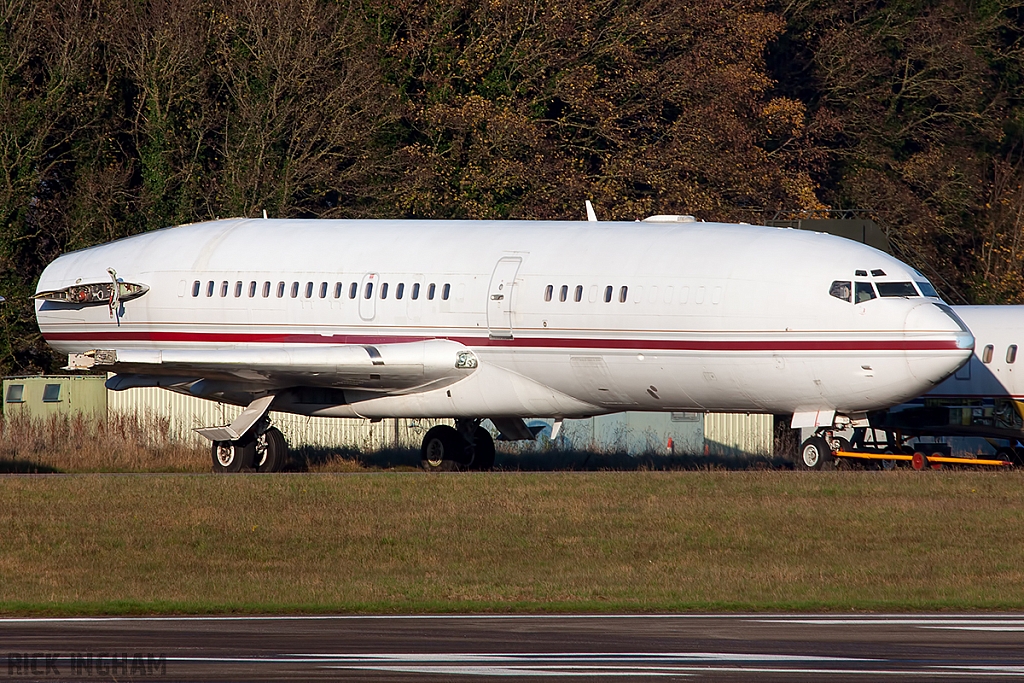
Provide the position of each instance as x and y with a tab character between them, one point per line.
927	289
840	289
863	291
896	289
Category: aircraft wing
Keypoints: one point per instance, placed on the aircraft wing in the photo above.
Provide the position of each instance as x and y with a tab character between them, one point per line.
395	367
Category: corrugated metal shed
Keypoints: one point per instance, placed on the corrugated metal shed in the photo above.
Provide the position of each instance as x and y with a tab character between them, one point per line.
638	433
736	434
42	396
720	434
186	413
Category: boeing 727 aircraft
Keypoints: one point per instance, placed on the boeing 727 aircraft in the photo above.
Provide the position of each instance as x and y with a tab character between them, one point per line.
498	319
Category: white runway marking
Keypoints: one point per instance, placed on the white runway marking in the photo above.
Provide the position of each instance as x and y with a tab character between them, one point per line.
938	621
606	664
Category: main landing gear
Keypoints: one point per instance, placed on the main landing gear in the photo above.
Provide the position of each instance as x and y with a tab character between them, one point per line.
467	446
262	450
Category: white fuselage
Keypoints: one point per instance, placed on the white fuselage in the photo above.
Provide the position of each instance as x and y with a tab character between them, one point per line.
993	370
655	316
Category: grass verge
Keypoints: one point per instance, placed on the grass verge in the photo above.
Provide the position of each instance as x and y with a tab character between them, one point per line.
512	542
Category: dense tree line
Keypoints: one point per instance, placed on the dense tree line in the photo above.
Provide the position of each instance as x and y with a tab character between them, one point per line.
121	116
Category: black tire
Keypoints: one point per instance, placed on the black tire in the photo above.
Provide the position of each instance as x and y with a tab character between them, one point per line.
815	454
271	451
483	450
233	456
1008	454
888	464
443	450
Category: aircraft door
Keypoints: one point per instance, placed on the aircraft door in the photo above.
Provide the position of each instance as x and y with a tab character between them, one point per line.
499	297
368	296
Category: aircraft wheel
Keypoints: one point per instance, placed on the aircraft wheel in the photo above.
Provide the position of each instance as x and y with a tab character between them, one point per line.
887	464
271	451
483	450
1009	454
815	454
443	450
233	456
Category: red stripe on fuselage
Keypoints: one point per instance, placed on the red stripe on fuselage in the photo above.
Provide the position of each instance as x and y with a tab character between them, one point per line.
519	342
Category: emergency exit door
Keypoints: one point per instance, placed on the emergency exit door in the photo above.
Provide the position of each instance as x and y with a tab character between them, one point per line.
500	297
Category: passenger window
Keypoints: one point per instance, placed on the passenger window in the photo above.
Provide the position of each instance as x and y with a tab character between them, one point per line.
295	289
266	289
384	290
840	289
863	292
430	291
579	293
896	289
1011	354
337	290
445	291
224	288
238	289
548	292
280	290
353	290
309	290
608	294
563	293
623	293
252	289
323	290
986	354
399	290
368	294
195	287
415	291
209	288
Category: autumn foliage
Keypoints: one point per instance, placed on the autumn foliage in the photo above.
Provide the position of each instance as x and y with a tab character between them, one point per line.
121	116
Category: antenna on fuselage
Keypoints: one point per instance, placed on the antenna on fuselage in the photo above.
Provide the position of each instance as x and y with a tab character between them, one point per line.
264	214
591	216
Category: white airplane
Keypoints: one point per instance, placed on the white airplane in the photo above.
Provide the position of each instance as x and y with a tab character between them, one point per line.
984	398
498	319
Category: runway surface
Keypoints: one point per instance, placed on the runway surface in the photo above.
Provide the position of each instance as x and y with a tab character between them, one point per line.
752	647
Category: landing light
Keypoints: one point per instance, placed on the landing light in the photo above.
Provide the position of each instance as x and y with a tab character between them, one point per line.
93	294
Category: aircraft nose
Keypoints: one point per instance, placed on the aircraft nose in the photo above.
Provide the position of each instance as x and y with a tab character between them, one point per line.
938	342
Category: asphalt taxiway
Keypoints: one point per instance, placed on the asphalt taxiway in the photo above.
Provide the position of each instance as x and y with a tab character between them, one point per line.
699	647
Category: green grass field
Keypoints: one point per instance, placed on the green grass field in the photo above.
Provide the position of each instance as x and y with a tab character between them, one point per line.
597	541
